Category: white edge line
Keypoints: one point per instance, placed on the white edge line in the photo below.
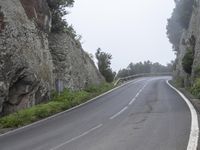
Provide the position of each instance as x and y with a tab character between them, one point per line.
194	131
120	112
68	110
77	137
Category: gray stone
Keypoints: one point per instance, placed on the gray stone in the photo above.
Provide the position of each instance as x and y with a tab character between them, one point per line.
25	61
32	62
190	39
74	69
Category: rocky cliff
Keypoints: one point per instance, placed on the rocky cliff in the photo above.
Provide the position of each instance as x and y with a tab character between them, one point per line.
73	67
33	61
190	40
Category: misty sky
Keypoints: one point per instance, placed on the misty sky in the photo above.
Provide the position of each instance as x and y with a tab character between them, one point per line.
131	30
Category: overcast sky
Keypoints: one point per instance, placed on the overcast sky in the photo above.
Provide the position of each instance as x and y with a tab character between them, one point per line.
131	30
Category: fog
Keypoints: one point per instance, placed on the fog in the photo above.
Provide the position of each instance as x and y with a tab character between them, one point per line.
131	30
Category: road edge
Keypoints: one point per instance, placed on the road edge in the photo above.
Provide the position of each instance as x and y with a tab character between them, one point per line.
68	110
194	132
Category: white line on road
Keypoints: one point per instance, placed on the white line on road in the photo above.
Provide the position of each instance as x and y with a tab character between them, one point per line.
194	132
131	102
77	137
117	114
73	108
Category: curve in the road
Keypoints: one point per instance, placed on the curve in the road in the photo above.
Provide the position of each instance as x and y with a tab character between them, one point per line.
194	132
142	115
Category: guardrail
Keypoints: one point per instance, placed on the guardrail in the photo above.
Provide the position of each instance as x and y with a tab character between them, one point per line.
141	75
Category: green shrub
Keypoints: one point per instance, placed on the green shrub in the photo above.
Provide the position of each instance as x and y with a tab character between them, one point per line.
197	71
179	81
187	61
195	89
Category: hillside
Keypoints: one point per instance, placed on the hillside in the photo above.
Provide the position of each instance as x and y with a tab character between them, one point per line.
184	34
35	60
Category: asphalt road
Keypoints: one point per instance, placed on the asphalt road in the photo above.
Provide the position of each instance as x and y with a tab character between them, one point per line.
145	114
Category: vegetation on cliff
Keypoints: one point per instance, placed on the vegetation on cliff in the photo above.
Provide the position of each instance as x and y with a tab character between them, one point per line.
179	21
187	61
188	73
58	10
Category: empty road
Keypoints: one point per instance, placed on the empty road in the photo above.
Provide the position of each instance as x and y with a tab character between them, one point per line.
146	114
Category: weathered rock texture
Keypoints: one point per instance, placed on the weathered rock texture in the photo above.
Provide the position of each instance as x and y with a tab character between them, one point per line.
190	40
38	10
25	62
73	67
27	72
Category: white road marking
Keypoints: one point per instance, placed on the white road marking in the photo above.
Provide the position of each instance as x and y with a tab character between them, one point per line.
114	116
131	102
77	137
194	132
117	114
75	107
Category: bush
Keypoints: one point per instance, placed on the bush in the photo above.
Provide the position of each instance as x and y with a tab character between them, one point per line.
187	61
197	71
195	90
179	81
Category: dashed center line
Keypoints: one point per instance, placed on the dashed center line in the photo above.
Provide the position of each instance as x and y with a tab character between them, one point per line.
136	96
75	138
130	103
117	114
100	125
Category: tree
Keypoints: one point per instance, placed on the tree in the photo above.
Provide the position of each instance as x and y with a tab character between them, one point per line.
179	21
187	61
144	67
104	62
58	9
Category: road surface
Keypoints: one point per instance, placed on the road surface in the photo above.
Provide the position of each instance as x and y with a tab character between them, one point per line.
145	114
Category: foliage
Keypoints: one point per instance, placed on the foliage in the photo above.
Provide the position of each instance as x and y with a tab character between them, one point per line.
58	9
64	101
183	12
195	90
179	81
104	62
179	20
174	32
197	71
187	61
144	67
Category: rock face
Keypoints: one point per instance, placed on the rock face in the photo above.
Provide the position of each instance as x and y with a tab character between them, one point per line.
190	39
39	11
27	72
73	67
25	61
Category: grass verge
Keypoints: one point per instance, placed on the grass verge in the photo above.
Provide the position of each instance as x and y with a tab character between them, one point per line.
59	103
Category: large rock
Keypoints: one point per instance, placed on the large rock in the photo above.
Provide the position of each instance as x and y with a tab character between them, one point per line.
29	69
74	69
190	40
25	61
38	11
